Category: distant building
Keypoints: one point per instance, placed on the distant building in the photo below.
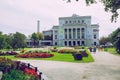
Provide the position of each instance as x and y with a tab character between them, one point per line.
72	31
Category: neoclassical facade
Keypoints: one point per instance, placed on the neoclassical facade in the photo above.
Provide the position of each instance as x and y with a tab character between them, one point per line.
73	31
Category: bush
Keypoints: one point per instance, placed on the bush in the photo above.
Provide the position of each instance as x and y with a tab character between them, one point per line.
84	53
5	62
78	56
17	75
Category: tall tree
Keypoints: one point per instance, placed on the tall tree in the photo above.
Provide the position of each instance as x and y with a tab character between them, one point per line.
113	35
2	41
36	37
9	40
115	39
104	40
19	40
110	6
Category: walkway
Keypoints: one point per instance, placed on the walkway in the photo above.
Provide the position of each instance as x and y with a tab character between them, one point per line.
105	67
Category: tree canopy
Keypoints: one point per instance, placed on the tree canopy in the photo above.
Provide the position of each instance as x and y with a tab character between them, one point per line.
36	37
109	6
12	40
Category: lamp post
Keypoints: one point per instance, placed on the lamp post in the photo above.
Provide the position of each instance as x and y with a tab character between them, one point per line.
118	43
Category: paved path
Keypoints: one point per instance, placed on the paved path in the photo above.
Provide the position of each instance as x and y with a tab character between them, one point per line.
105	67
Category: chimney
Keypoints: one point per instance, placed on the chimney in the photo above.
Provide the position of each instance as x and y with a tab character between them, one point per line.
38	26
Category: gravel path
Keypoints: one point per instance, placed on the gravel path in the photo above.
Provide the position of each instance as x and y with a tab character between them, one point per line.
105	67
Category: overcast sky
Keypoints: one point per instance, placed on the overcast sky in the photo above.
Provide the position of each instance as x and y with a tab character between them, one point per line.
22	15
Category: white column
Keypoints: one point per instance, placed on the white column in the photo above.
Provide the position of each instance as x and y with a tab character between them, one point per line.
53	37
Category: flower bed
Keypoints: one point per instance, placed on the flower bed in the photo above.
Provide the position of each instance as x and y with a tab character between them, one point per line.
54	49
2	53
67	51
35	55
18	70
79	55
37	51
31	72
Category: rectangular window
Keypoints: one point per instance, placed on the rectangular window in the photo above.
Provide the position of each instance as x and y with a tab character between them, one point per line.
55	36
83	36
65	43
65	31
94	36
78	33
74	35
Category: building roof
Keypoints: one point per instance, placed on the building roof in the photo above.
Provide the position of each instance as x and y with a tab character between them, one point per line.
55	27
75	16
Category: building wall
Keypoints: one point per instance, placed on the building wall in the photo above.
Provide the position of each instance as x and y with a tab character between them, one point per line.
75	31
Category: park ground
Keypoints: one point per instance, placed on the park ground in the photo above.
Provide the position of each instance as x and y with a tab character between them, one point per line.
105	67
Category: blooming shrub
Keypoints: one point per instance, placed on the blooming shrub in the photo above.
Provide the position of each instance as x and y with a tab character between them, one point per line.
84	54
35	55
17	75
54	49
16	70
67	51
31	71
78	56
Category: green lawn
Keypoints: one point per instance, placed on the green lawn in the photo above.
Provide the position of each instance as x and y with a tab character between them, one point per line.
112	51
58	57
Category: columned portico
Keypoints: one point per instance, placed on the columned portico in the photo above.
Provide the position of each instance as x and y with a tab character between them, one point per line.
75	31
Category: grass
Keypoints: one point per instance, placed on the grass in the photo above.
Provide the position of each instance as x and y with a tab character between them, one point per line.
58	57
112	50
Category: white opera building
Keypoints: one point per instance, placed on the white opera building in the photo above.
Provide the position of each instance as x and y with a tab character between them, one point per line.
72	31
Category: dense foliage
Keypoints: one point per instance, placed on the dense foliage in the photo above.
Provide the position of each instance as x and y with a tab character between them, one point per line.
113	38
17	75
16	70
15	40
36	37
104	40
110	6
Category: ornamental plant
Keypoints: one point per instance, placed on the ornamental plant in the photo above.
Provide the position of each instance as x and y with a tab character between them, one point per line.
2	53
16	70
31	72
35	55
67	51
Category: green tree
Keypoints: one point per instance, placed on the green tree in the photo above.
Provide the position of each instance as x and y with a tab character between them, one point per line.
113	35
9	40
19	40
109	6
36	37
2	41
104	40
115	40
16	40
